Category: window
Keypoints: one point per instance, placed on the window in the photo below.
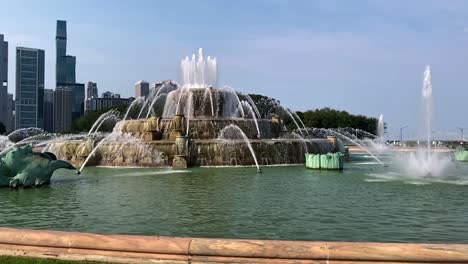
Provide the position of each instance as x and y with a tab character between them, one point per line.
32	61
28	82
28	68
29	75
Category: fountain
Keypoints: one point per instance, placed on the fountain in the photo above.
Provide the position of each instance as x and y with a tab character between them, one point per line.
424	163
188	125
381	130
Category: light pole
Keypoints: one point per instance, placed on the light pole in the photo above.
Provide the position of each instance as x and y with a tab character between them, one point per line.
461	131
401	133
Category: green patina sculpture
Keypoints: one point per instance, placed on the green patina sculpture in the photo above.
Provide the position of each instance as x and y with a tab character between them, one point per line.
22	167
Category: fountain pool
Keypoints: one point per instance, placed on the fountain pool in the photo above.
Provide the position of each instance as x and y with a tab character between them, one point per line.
362	203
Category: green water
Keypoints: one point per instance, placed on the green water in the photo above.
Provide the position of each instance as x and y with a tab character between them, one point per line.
281	203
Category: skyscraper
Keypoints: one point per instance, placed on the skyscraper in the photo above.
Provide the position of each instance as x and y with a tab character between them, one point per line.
73	106
62	108
141	89
78	100
49	110
92	90
10	126
5	116
29	88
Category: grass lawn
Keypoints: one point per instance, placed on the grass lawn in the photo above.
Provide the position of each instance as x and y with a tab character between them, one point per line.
22	260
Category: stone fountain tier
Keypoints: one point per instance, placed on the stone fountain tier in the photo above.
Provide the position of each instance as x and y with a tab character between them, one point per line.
202	127
200	152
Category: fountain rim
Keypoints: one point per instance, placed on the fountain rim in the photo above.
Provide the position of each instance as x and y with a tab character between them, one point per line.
76	245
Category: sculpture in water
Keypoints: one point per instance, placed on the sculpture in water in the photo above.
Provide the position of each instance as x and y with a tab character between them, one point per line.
22	167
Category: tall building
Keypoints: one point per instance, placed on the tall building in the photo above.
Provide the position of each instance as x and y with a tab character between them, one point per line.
92	90
78	100
62	108
29	105
10	122
5	116
64	65
141	89
49	110
65	71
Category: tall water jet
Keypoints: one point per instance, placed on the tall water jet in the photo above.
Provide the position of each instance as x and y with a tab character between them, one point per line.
247	105
154	92
199	72
208	95
252	103
189	112
152	105
427	99
137	101
293	119
110	117
381	129
424	163
300	120
101	119
233	132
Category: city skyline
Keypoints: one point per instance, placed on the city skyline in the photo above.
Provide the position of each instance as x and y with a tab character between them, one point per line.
370	54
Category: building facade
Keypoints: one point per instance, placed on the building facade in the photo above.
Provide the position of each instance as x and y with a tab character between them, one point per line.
49	110
5	116
62	108
78	100
141	89
29	105
10	126
92	90
95	104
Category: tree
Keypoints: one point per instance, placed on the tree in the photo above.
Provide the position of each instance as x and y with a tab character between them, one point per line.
2	128
319	118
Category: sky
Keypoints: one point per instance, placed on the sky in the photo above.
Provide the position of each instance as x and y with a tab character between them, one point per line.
365	57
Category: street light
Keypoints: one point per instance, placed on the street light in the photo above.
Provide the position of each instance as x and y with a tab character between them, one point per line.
461	131
401	133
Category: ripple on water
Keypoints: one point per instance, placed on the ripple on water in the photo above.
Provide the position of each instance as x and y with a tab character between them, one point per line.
363	203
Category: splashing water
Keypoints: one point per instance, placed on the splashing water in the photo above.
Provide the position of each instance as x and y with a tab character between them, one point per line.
152	104
381	129
138	101
101	119
293	119
233	132
247	105
302	123
424	163
358	144
199	73
252	103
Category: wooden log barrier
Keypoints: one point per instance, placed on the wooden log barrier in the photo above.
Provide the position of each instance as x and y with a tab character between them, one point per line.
175	250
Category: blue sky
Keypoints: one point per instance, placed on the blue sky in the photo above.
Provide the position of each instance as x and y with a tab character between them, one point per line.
366	57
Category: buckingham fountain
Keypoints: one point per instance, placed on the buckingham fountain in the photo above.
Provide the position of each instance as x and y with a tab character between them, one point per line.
193	124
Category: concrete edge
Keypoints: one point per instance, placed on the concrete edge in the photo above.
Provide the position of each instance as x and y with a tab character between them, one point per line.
156	249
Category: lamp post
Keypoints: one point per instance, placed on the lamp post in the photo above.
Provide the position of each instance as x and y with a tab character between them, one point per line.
461	131
401	133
